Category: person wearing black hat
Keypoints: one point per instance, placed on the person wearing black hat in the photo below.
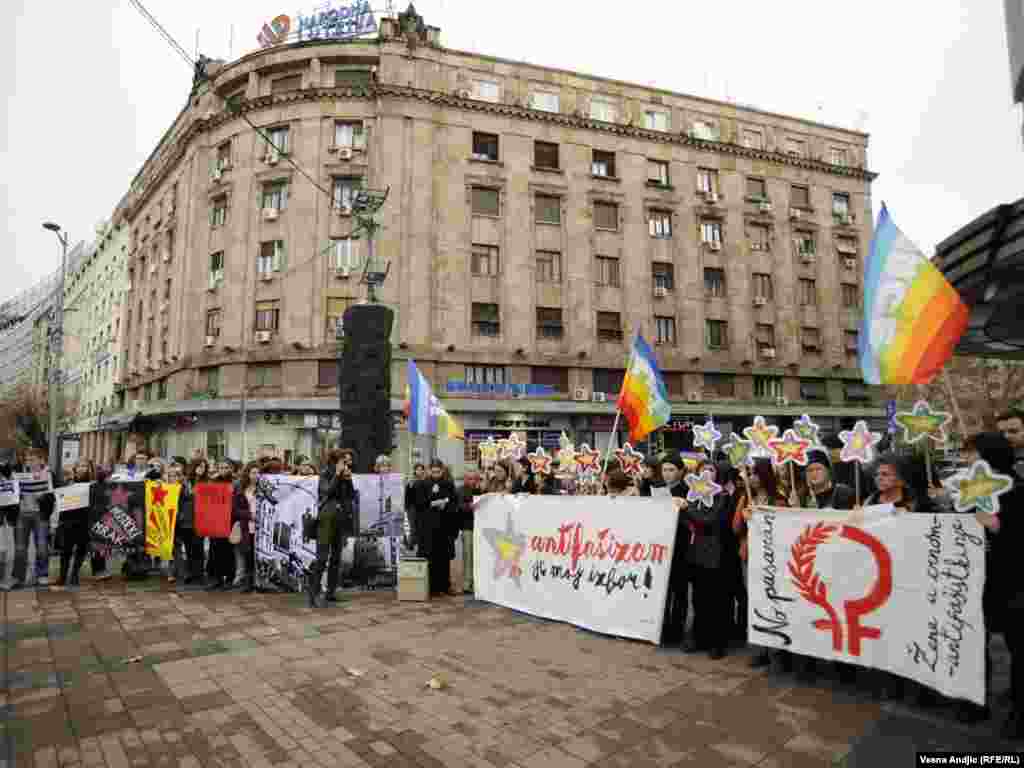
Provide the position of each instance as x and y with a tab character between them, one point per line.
822	491
678	598
651	477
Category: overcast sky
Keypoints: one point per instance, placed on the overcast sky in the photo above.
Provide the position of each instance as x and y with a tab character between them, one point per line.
92	88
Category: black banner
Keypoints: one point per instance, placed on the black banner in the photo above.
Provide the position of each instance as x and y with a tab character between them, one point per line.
118	519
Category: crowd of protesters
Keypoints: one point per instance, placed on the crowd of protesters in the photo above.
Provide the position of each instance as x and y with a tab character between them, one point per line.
708	570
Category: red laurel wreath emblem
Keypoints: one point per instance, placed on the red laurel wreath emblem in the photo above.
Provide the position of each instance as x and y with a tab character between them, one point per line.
808	583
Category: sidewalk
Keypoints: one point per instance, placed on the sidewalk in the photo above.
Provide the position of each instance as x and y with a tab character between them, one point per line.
133	675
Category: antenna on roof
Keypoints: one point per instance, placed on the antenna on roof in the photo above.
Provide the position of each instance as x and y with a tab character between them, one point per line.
231	43
861	121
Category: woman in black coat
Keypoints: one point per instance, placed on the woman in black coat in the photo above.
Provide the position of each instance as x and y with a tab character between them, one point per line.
436	504
73	529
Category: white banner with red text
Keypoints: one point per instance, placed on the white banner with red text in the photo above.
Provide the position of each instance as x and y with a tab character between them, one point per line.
598	562
877	588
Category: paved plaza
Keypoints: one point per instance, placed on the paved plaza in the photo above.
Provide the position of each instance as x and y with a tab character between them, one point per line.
141	674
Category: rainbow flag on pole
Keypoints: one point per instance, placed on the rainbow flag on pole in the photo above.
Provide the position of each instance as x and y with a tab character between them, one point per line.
913	318
643	399
424	411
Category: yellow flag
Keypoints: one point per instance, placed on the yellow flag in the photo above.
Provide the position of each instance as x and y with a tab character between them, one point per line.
161	516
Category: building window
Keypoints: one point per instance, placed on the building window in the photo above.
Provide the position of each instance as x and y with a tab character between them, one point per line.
545	155
607	271
753	139
335	317
608	380
545	101
271	257
484	260
804	242
808	292
485	374
213	322
837	155
603	109
327	373
810	340
267	315
485	201
711	232
167	289
606	216
603	164
659	224
278	144
850	342
663	275
485	320
219	211
714	282
757	189
359	77
764	335
486	90
800	197
707	181
284	84
147	393
345	254
224	156
763	286
548	209
349	134
664	330
161	389
856	392
549	323
657	173
655	120
556	378
840	205
704	130
850	295
263	375
216	270
609	326
795	147
344	193
846	248
760	237
275	196
720	384
767	387
549	267
485	146
717	333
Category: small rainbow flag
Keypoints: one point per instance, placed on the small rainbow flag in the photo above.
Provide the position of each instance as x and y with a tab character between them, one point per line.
424	411
643	399
913	318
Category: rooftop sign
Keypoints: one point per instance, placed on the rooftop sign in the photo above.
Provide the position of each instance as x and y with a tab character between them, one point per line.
331	21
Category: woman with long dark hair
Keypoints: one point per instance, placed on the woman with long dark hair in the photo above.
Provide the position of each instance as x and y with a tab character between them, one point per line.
243	514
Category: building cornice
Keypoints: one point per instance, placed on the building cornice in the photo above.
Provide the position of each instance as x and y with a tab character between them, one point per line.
153	178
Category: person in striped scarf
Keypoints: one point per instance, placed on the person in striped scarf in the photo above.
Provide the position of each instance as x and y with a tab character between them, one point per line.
36	507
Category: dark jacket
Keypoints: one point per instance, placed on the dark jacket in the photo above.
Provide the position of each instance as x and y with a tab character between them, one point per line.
911	502
341	499
465	508
839	496
185	507
1002	575
243	513
707	529
436	517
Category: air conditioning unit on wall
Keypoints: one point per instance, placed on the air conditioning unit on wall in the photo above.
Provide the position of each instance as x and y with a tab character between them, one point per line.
579	394
599	397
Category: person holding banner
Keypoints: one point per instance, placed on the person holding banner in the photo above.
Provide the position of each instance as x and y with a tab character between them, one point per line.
35	509
73	528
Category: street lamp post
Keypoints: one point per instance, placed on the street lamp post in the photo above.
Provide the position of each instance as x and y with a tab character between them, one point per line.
57	354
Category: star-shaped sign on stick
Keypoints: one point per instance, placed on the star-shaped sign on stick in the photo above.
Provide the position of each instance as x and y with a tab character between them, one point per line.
508	546
488	452
740	452
760	434
789	448
702	488
807	430
512	448
540	461
566	456
588	460
630	461
859	443
159	493
706	436
978	488
923	422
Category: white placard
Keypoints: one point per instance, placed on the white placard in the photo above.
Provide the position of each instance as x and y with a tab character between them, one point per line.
8	492
597	562
72	497
898	592
282	551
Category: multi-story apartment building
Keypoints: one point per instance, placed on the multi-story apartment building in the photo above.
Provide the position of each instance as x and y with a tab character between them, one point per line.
20	344
94	291
536	217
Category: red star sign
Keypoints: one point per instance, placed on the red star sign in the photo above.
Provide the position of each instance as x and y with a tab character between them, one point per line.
540	462
630	461
789	448
159	494
588	460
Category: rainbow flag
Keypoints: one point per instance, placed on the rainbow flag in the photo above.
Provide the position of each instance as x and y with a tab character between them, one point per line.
913	318
643	399
425	414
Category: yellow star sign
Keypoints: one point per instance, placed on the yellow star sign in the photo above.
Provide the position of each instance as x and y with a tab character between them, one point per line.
978	488
923	422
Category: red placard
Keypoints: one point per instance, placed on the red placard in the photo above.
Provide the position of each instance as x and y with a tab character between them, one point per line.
212	510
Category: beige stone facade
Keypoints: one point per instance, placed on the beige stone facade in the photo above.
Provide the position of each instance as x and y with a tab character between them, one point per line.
535	218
